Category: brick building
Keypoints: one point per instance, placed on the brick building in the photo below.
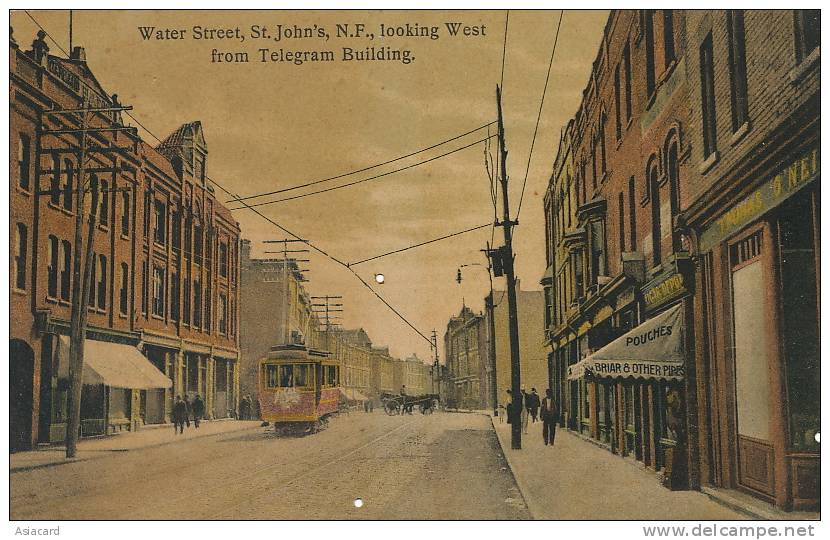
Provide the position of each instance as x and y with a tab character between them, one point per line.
466	354
164	270
687	182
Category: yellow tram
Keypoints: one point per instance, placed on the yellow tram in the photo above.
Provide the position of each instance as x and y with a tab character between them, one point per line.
298	388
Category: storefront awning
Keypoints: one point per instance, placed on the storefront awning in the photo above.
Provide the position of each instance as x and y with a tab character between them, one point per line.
653	350
115	365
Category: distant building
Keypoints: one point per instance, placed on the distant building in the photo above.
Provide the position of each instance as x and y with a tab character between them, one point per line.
465	353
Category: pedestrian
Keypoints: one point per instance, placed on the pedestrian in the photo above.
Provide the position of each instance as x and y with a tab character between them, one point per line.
523	398
187	410
533	407
198	410
509	406
179	415
550	414
246	407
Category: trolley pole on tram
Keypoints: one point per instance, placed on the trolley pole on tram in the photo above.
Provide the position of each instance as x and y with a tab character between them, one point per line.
506	256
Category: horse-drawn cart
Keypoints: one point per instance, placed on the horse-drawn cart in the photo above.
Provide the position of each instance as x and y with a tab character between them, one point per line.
395	404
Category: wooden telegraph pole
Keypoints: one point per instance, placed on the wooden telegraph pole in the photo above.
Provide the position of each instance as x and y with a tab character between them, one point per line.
507	262
81	274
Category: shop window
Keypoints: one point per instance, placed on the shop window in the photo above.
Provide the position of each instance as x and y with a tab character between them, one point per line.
52	270
807	32
66	270
707	96
737	67
797	237
20	251
24	151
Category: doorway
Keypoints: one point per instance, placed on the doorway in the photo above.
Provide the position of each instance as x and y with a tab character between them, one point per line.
21	395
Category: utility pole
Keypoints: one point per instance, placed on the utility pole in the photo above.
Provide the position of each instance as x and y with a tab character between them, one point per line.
436	375
328	309
491	330
286	287
507	261
81	275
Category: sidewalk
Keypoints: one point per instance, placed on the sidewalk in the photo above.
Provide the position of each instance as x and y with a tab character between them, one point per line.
575	479
146	437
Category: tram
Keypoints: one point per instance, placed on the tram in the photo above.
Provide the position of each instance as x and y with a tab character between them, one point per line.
299	388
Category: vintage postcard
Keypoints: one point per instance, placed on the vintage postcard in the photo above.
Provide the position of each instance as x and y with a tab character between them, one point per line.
415	265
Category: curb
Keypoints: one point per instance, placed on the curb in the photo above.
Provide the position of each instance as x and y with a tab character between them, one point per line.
100	453
524	491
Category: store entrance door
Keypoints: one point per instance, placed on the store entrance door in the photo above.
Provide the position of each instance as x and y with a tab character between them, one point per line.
751	312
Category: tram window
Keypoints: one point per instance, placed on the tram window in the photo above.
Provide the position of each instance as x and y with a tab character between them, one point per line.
332	375
271	376
286	376
301	375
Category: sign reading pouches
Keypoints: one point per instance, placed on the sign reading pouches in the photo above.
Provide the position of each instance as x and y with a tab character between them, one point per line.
653	350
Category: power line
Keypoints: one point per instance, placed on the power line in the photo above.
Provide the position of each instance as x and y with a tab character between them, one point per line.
58	45
363	169
271	221
539	116
477	227
349	184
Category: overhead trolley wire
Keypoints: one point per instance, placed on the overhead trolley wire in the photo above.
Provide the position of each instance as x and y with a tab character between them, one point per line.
436	145
349	184
539	116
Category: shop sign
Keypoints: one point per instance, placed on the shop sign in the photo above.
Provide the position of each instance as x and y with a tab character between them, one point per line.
668	289
776	190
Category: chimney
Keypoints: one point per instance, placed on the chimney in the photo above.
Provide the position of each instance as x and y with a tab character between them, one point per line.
78	53
40	49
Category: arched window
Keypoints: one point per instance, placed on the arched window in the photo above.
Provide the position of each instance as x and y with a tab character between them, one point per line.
125	216
673	171
93	190
69	184
52	271
652	177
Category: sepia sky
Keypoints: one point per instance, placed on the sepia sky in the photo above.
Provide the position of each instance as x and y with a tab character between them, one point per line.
274	125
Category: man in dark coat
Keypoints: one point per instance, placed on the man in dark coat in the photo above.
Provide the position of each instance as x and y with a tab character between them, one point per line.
550	414
179	415
198	410
187	410
533	404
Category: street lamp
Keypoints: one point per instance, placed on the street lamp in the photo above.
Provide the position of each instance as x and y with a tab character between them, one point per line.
491	328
